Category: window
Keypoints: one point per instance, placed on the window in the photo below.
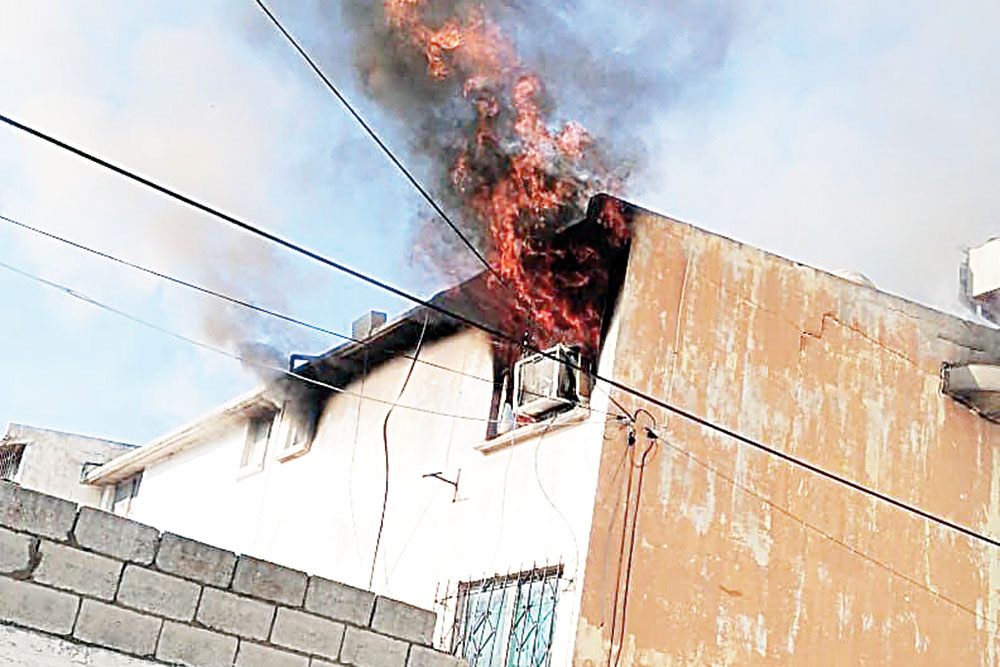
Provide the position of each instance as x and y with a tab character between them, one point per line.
536	387
259	429
10	461
507	621
125	491
293	430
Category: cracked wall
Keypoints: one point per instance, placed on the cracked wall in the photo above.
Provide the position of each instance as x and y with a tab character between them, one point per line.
740	557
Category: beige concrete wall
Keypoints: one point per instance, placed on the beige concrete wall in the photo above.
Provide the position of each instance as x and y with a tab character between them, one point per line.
53	461
797	570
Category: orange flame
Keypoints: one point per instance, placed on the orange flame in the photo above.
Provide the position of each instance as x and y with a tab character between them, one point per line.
536	181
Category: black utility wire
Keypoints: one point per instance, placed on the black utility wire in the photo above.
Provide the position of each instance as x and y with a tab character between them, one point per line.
218	295
381	144
501	335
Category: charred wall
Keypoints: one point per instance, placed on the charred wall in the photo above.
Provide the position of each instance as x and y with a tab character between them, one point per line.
738	557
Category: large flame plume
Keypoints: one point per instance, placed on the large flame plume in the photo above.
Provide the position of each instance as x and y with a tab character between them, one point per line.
515	173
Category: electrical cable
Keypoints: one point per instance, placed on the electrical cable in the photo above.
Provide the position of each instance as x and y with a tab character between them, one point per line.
240	302
218	295
217	350
630	448
385	443
635	522
545	494
350	469
381	144
690	416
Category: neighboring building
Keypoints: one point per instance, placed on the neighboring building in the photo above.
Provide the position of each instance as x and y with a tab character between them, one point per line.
55	462
584	539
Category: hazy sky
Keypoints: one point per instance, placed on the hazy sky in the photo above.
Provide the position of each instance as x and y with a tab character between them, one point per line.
844	135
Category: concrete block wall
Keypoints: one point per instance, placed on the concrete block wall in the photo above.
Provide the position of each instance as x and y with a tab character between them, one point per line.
98	580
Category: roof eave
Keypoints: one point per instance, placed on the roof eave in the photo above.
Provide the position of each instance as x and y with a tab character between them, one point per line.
177	440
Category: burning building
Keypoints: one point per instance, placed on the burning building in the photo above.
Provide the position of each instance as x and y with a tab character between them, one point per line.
551	518
491	456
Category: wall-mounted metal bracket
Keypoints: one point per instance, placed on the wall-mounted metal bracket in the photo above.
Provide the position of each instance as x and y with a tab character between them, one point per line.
439	476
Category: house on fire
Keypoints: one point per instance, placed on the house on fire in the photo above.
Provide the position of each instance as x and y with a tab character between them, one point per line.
551	518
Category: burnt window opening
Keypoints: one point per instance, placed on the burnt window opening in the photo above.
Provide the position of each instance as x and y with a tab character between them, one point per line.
537	386
10	461
507	620
581	270
295	427
259	429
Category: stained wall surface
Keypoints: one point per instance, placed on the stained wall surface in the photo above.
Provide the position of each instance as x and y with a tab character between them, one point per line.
737	556
53	461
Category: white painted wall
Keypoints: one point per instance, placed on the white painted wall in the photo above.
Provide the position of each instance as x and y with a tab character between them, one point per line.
527	504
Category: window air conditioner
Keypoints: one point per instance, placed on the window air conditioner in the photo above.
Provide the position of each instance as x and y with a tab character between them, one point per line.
541	383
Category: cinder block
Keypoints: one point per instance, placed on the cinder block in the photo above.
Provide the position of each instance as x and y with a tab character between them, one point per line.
405	621
34	606
269	581
117	628
195	647
307	633
368	649
339	601
62	566
160	594
422	656
232	613
255	655
318	662
112	535
194	560
15	551
34	512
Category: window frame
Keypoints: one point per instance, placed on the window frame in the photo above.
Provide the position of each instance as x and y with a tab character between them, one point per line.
293	431
253	455
130	485
11	458
506	419
512	587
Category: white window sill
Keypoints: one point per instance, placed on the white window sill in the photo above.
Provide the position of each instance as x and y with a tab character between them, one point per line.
247	471
291	453
577	415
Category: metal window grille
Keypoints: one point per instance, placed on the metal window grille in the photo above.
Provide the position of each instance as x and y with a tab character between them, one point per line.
10	461
507	621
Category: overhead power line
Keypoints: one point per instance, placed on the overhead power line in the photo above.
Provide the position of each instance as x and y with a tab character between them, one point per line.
233	300
219	295
381	144
821	532
76	294
680	412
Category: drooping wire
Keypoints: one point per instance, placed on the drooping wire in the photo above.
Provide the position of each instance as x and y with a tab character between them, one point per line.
635	522
217	350
378	141
458	317
385	443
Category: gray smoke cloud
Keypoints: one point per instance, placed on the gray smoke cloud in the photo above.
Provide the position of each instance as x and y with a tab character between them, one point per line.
595	63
